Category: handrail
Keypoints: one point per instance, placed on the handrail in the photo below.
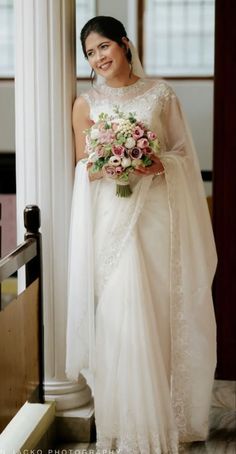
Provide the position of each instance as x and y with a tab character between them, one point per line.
17	258
28	253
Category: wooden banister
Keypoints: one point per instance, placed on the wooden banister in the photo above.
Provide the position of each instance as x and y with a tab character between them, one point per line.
21	325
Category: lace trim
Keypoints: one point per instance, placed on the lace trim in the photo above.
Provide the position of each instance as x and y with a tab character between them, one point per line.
137	443
102	96
120	234
131	89
180	343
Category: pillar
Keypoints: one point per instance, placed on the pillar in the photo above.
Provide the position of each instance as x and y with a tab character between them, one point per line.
45	84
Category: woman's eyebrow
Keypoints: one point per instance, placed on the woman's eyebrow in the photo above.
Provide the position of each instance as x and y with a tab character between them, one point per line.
103	42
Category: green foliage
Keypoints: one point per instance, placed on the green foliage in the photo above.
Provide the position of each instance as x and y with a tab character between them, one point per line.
103	116
146	160
121	139
131	117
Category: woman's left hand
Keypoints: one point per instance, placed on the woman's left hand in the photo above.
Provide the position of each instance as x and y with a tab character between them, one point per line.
153	169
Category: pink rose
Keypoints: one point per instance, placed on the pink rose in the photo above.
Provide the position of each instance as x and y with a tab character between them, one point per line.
142	143
106	137
141	124
110	171
147	151
137	132
151	135
119	170
118	150
100	151
136	153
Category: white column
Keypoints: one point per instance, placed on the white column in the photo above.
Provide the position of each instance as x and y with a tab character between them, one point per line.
45	84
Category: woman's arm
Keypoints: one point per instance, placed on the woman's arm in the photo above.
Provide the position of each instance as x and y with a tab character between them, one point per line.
174	126
81	121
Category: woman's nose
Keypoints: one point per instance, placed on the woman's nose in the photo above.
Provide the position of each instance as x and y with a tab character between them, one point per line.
100	55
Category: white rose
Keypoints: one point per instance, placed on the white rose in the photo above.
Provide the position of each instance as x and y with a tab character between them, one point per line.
126	162
130	143
95	133
115	161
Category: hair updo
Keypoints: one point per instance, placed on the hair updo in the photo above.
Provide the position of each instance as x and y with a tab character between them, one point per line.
106	26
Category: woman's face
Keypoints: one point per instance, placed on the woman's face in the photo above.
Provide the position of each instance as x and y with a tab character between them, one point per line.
105	56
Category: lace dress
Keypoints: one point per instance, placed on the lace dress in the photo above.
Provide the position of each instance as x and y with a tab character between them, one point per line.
141	326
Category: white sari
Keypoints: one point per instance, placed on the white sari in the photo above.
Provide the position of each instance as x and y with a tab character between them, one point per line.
141	325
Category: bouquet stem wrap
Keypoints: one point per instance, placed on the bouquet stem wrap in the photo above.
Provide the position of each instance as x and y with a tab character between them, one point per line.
123	189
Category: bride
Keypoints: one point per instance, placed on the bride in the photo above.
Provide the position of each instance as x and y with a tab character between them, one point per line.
141	326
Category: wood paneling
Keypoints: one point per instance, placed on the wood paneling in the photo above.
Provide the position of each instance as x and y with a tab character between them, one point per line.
224	185
19	352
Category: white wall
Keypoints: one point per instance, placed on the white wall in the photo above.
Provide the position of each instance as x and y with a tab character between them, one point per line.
117	9
7	117
123	10
197	101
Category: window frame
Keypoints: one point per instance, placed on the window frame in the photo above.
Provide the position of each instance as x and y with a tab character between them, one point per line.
140	27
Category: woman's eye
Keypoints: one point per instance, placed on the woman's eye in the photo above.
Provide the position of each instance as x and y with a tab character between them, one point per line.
89	54
104	46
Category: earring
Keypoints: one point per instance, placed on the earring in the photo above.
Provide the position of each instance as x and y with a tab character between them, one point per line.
129	55
131	69
129	58
92	76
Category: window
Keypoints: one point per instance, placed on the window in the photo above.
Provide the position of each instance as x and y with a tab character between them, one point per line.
85	10
179	37
6	38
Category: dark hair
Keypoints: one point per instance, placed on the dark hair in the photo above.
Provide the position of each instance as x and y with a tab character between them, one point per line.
106	26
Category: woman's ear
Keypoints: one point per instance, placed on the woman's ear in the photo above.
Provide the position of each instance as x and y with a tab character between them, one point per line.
125	44
125	41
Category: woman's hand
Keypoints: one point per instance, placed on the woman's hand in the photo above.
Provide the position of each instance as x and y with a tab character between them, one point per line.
154	169
96	175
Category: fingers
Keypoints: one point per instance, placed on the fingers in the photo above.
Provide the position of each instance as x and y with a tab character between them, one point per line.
150	170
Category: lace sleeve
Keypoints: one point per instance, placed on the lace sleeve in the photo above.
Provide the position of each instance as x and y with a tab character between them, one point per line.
174	124
87	98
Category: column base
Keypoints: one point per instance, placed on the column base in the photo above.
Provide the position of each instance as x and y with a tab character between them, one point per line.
67	395
77	425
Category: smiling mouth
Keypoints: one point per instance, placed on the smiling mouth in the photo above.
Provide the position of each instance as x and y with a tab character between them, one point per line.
105	66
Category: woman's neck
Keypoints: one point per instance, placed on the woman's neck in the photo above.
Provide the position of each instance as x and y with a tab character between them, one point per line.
122	81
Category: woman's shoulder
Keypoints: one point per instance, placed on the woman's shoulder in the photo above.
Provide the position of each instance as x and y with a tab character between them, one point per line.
88	96
161	88
80	103
81	109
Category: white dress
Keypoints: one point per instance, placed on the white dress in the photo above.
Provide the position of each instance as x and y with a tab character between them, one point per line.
141	325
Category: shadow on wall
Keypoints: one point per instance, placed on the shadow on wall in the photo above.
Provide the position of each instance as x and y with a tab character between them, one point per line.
8	203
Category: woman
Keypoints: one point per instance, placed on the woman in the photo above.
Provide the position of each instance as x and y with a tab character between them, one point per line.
141	326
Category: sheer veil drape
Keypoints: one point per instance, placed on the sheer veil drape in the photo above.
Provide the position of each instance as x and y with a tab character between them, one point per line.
136	63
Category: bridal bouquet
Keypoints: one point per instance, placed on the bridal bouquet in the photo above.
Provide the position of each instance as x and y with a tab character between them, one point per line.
118	144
